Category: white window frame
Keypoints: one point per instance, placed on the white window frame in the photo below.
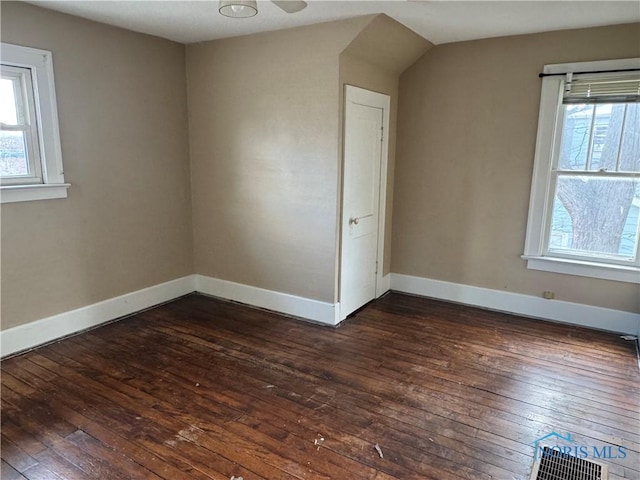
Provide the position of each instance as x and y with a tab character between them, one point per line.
542	189
50	182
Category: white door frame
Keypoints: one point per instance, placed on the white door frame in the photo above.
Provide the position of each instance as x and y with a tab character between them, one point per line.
379	100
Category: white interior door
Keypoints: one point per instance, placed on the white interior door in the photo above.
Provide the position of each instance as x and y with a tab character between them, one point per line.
365	155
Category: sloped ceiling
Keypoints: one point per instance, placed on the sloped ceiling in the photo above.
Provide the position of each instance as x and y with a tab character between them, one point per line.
388	44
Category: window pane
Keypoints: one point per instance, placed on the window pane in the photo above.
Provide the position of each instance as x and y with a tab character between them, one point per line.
630	147
606	136
576	135
13	154
591	137
8	106
596	217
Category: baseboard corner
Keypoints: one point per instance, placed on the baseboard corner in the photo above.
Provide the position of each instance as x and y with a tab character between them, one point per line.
43	331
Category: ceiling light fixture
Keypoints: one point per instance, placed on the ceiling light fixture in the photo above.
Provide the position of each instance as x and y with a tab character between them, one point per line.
238	8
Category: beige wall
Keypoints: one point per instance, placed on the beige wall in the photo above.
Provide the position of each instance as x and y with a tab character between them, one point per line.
264	129
126	224
263	120
467	128
265	135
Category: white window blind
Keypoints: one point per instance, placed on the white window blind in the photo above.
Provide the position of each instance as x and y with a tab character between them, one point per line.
602	88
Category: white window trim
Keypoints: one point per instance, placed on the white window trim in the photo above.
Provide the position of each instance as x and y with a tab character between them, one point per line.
40	62
540	202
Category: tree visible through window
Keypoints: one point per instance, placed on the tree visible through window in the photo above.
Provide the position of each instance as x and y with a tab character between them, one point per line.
597	214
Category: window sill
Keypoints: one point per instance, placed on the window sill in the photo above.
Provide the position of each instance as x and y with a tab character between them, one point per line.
618	273
27	193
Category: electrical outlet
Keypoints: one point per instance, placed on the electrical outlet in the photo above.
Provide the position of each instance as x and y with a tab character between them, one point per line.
548	294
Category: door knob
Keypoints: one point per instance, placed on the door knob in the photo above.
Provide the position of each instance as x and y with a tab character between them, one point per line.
354	221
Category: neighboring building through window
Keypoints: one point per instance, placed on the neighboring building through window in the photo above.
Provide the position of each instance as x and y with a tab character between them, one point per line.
30	153
585	198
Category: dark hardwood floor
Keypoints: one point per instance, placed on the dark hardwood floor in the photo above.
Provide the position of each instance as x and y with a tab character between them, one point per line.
205	389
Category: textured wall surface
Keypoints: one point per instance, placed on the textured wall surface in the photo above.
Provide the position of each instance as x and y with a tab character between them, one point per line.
126	223
468	115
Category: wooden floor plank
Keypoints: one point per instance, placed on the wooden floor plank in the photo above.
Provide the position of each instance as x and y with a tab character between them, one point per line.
15	456
201	389
447	379
357	374
303	444
352	415
7	472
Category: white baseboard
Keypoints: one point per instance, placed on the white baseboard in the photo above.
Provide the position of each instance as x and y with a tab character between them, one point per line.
39	332
48	329
525	305
322	312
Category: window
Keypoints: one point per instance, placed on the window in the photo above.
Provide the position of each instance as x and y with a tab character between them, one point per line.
30	154
584	212
20	156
